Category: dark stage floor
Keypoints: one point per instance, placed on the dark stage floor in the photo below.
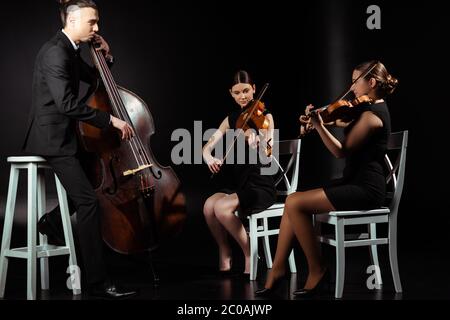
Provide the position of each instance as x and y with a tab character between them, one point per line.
186	268
189	282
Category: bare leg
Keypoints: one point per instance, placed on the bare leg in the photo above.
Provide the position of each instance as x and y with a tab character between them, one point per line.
218	231
300	206
284	246
224	210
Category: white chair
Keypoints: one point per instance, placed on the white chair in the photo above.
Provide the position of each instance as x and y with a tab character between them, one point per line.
397	141
258	222
35	167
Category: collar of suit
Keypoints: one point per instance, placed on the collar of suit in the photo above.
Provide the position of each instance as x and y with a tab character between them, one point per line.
74	45
68	42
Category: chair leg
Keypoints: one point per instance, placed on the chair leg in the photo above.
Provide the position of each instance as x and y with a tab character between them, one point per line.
340	258
253	248
393	255
31	236
292	266
266	246
317	229
374	253
7	226
41	205
68	237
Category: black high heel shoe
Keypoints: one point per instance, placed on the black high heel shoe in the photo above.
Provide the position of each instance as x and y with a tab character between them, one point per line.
321	286
245	276
226	273
269	292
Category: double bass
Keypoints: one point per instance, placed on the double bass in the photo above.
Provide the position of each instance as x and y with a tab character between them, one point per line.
141	201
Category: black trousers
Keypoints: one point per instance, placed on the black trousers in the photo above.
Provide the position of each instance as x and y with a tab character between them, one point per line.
83	200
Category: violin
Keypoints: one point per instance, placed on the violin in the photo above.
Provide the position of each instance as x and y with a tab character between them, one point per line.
253	120
343	110
253	117
340	110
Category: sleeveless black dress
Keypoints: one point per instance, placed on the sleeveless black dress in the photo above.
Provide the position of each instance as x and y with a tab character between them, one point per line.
363	185
256	192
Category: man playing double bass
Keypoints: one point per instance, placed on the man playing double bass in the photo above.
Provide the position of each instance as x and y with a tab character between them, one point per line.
51	133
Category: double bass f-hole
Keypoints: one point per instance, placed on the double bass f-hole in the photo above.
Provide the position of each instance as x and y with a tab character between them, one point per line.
158	173
112	190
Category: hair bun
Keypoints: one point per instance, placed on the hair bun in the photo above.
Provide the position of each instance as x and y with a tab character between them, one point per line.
390	84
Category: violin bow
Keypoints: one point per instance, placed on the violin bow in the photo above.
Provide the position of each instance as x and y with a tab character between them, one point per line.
346	92
362	75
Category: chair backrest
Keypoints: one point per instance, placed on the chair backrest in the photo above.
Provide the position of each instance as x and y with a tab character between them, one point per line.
288	174
396	176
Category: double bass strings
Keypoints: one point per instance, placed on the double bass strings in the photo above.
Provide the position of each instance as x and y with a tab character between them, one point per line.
136	145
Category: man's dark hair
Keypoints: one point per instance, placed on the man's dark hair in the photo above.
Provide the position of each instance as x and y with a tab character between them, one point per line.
69	5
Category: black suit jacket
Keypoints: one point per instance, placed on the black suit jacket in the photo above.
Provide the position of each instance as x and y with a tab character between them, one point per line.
55	107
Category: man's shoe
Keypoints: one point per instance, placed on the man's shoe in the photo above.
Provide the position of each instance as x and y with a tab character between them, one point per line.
54	234
108	290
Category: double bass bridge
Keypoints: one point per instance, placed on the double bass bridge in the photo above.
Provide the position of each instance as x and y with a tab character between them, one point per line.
138	169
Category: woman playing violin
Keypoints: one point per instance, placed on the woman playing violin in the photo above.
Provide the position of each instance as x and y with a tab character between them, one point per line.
363	183
249	191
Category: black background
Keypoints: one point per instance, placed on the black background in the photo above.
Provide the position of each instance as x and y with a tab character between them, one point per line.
180	56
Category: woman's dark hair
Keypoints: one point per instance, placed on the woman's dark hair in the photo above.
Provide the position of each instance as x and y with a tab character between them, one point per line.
386	83
242	76
68	5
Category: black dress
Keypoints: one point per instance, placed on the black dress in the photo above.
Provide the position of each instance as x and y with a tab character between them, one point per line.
363	184
256	192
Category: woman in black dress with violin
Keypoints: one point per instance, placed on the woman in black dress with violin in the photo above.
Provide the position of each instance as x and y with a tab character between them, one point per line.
363	183
248	191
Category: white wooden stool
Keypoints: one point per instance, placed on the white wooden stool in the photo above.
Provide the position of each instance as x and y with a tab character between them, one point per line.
36	208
